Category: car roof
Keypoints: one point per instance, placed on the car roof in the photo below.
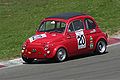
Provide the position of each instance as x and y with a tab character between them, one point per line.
67	15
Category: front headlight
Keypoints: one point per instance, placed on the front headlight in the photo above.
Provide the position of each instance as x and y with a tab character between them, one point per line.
46	47
25	44
23	47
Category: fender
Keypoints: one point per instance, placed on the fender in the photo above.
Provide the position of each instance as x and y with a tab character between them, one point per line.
100	37
56	48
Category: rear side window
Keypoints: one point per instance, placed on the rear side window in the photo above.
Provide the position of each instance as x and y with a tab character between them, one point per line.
90	24
76	25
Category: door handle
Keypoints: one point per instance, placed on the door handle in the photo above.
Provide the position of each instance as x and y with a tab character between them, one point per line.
68	37
72	36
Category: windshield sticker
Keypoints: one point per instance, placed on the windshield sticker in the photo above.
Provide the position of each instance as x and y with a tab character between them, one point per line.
80	39
35	37
53	22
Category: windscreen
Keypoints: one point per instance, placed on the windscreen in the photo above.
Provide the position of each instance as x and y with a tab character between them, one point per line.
52	26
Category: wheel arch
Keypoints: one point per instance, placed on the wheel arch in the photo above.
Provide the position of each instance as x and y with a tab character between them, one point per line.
58	47
101	38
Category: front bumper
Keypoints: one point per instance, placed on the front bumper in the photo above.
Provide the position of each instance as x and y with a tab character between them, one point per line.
37	52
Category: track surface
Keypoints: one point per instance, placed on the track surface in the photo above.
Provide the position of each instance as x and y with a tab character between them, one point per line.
97	67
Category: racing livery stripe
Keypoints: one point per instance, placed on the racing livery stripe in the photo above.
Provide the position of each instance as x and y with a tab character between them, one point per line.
35	37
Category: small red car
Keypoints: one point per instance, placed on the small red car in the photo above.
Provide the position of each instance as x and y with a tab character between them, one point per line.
61	36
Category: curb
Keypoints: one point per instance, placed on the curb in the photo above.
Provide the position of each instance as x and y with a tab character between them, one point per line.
10	63
1	65
113	40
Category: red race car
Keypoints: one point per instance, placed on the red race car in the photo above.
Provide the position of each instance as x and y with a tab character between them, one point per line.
61	36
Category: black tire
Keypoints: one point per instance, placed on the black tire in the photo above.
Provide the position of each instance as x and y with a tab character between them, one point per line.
101	47
61	55
27	60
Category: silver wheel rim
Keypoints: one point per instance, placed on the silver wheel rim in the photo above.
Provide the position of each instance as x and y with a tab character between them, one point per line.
61	54
101	46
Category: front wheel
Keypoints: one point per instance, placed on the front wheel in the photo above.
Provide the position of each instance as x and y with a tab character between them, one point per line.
101	47
61	55
27	60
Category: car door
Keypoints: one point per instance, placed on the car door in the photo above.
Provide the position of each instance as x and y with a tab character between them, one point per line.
90	33
77	37
71	40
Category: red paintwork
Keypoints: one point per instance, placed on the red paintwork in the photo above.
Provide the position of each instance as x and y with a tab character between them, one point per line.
65	40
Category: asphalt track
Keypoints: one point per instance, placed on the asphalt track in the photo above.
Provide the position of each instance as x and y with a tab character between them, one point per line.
90	67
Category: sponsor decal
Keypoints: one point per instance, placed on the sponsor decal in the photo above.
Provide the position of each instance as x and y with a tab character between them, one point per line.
91	42
34	50
81	40
35	37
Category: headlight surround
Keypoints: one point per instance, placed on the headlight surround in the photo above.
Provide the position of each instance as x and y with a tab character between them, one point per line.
23	47
25	44
46	47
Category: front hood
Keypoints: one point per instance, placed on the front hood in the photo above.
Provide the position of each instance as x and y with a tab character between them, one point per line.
45	38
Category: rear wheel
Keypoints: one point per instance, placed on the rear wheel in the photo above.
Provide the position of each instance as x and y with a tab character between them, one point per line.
61	55
101	47
27	60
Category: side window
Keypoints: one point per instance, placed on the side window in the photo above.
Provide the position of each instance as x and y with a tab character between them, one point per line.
78	25
90	24
71	29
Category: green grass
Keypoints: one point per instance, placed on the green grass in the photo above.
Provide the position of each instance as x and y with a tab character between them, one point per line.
20	18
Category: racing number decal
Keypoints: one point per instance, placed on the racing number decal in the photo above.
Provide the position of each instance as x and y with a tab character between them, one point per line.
80	39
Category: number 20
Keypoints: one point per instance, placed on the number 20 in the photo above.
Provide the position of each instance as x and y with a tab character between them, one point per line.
81	40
